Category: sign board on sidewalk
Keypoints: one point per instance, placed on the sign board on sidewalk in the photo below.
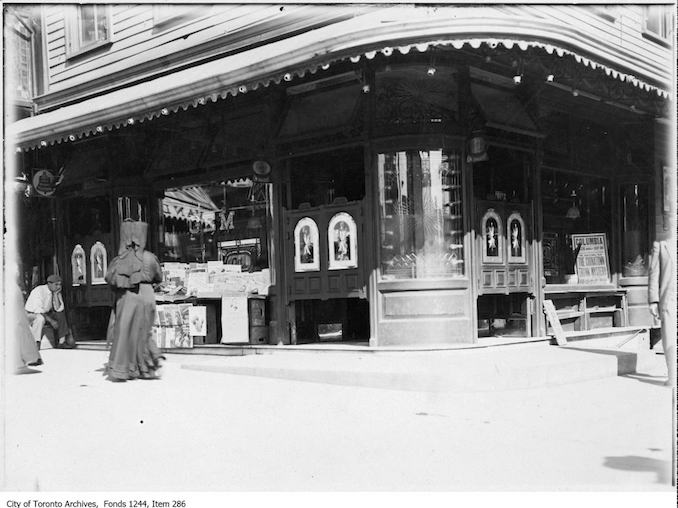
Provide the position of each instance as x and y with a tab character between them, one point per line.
552	317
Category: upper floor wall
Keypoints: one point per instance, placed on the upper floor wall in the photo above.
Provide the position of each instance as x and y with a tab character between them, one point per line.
92	49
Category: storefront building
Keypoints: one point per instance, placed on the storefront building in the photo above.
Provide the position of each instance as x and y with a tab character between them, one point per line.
392	176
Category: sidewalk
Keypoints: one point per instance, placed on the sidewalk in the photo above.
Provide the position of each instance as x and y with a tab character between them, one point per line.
67	428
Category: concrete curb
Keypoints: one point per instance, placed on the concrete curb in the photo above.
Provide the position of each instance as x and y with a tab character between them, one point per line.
534	370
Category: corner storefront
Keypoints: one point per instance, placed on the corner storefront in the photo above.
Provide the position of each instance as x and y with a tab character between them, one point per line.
433	191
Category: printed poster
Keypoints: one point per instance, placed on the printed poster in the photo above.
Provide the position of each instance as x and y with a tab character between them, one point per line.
592	265
234	323
197	320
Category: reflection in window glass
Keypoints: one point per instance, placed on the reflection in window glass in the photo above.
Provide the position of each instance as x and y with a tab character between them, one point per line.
19	61
93	24
659	20
421	214
635	226
221	221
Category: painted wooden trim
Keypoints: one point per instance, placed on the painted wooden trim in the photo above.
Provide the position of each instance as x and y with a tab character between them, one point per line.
422	285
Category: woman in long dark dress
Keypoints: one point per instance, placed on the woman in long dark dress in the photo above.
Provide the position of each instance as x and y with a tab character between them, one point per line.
133	352
26	352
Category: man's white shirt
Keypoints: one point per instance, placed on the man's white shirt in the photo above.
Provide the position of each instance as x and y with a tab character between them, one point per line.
42	300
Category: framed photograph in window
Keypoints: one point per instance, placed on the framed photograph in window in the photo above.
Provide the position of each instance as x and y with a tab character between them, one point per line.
78	269
306	249
516	239
492	237
342	242
99	263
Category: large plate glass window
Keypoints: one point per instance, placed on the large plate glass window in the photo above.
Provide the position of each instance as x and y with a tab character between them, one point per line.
223	221
420	201
635	229
572	204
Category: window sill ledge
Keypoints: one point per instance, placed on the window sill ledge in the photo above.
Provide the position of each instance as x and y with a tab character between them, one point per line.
88	50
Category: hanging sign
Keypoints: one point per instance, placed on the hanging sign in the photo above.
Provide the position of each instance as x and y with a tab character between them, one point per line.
45	183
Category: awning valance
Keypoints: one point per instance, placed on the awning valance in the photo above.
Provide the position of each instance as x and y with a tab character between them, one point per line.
383	31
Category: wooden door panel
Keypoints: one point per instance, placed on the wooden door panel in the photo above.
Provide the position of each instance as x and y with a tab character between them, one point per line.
324	282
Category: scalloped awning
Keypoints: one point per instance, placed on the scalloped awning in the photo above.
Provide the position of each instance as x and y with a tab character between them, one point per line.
314	51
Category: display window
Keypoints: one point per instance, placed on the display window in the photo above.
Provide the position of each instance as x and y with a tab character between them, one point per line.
421	214
573	204
634	200
222	221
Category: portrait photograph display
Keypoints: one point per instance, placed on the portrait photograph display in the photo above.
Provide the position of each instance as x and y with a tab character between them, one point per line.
493	237
306	255
98	262
516	239
78	270
341	240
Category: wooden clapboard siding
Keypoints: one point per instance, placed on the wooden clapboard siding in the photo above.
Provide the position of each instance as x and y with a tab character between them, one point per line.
139	48
123	13
136	43
646	49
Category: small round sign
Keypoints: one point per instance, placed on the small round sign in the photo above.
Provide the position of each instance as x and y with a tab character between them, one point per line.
44	182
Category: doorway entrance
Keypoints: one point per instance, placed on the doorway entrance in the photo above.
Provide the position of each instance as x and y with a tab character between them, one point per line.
504	262
325	249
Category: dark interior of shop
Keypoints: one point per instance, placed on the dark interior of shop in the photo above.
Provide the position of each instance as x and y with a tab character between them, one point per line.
334	320
319	179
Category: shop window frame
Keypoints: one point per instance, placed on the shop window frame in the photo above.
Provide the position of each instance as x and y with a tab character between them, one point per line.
613	240
619	255
449	143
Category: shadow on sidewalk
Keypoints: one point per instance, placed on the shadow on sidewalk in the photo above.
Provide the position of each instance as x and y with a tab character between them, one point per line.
647	378
641	464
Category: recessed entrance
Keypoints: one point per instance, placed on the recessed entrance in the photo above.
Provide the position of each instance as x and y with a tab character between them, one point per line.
335	320
503	315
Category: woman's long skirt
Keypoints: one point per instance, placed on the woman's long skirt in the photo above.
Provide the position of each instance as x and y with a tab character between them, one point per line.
133	352
26	350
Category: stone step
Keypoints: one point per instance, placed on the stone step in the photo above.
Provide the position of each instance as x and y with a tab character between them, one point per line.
469	370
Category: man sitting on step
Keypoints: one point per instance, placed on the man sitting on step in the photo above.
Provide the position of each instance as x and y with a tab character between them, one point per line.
47	314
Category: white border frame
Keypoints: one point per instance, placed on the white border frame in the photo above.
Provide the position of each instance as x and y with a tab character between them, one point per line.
509	239
78	250
98	247
314	265
352	262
